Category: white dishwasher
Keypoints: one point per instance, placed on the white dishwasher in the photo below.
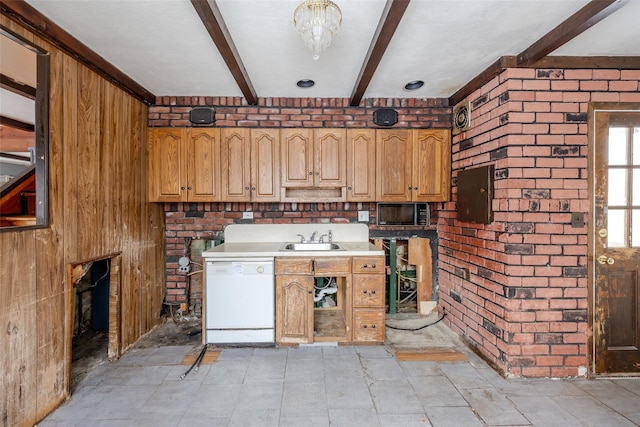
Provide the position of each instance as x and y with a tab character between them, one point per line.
240	301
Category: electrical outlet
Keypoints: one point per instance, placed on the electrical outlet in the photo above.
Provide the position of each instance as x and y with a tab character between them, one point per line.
363	216
247	215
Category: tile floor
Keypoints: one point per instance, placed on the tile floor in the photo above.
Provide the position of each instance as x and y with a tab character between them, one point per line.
334	386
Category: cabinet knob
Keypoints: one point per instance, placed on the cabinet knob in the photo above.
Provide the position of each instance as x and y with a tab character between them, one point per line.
373	266
373	292
182	188
246	188
253	188
373	326
317	173
364	291
365	265
349	188
415	188
310	173
364	326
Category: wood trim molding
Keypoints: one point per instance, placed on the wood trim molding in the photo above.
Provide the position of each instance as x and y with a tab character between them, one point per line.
576	62
486	75
212	19
44	27
391	16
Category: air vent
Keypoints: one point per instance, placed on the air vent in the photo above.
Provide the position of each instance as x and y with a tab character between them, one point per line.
461	118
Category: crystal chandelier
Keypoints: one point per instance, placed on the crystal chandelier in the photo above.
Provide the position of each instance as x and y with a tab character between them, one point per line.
317	21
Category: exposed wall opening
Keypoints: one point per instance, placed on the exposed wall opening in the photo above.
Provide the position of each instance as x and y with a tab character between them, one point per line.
93	314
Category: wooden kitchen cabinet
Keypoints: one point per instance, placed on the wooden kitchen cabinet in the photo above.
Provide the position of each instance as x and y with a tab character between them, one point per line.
294	309
359	311
184	164
294	300
361	165
313	158
250	165
432	165
413	166
368	299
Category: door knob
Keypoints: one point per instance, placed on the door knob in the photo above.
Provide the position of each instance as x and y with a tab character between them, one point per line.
603	259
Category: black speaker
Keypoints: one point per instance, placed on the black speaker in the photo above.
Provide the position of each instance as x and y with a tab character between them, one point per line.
202	115
385	117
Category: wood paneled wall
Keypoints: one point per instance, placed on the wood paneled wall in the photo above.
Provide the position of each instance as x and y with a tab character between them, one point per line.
97	206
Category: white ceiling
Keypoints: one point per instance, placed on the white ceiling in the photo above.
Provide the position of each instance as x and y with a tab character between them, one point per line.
163	45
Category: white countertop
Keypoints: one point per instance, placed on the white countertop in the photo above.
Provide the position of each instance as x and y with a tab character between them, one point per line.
275	249
268	240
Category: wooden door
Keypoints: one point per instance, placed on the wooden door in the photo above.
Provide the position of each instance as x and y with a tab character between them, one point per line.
265	165
203	165
296	158
294	309
330	165
235	164
361	165
431	165
167	165
394	165
616	242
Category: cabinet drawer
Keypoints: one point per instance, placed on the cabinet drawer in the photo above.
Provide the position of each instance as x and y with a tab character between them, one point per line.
294	265
370	265
332	265
368	291
368	325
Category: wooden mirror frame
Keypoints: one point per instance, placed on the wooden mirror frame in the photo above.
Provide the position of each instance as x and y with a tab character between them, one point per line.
41	134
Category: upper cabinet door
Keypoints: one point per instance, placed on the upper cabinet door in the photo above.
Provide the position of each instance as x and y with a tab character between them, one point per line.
330	147
394	164
265	165
235	164
167	169
297	158
203	170
432	165
361	165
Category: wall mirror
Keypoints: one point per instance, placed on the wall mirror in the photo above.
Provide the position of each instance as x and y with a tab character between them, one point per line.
24	133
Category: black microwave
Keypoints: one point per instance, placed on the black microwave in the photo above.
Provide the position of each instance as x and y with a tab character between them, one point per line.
403	214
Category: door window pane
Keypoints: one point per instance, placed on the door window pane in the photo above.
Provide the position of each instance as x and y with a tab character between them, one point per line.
635	227
617	146
617	187
636	146
636	188
616	227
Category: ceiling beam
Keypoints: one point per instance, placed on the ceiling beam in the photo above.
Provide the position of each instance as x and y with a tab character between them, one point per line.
590	14
211	17
17	124
21	89
389	21
44	27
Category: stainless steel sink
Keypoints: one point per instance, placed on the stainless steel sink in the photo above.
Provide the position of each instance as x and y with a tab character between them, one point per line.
312	246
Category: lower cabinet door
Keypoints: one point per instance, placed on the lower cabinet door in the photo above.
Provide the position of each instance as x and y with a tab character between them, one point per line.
294	309
368	325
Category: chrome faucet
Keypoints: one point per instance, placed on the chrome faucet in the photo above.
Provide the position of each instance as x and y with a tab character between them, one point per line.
313	236
329	235
302	239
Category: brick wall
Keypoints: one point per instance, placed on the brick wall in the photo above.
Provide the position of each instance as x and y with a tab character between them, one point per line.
207	220
300	112
516	289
